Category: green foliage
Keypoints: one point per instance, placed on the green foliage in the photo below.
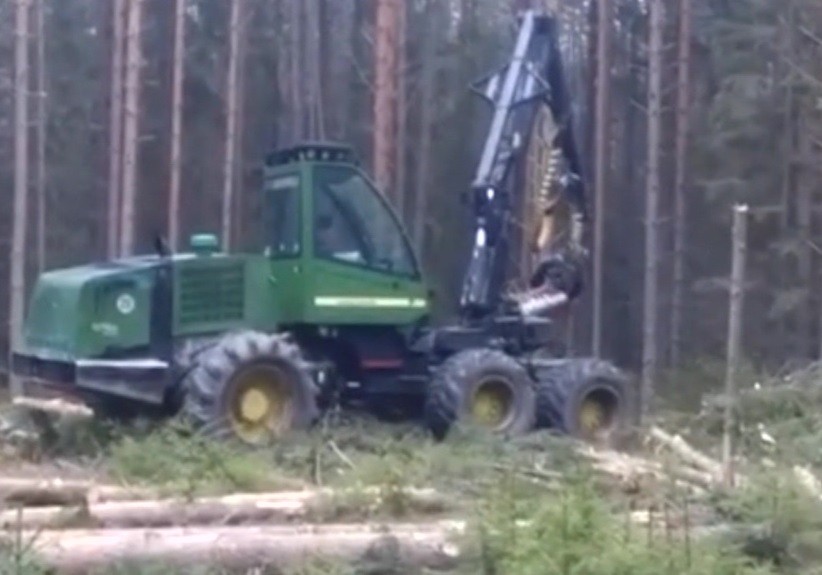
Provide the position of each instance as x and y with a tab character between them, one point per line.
782	518
576	532
188	463
685	385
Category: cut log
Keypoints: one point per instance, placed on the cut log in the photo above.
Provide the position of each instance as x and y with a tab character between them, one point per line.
688	454
228	510
808	480
427	545
39	492
153	514
623	465
54	406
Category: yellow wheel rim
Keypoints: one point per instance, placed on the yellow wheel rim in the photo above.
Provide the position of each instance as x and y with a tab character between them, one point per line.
260	406
591	416
492	403
597	414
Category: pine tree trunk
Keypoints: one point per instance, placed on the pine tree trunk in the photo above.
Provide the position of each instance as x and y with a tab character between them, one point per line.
649	340
41	136
295	8
231	122
116	130
402	112
682	111
131	134
176	125
427	91
385	92
238	209
316	113
604	23
339	97
18	242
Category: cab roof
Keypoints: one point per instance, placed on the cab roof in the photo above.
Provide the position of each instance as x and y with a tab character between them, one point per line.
312	152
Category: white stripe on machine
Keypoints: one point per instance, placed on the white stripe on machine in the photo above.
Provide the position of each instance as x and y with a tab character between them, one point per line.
371	302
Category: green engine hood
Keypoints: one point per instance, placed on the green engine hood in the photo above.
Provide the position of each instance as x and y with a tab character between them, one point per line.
90	310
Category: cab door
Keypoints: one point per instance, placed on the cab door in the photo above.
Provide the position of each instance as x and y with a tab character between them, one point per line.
285	245
363	269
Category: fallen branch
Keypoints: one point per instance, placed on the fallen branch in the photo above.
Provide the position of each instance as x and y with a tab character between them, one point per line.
427	545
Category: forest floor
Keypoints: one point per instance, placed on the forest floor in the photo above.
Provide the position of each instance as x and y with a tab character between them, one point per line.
359	496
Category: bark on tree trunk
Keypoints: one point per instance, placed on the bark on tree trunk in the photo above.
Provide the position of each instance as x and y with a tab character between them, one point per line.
682	110
21	141
649	340
603	120
131	134
297	70
176	125
402	112
116	130
804	211
427	92
231	123
340	94
316	113
787	220
385	92
246	14
41	136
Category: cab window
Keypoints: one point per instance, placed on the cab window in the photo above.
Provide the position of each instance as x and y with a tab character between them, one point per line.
353	224
282	216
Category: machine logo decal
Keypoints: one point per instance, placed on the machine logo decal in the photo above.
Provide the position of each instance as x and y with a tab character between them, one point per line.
126	304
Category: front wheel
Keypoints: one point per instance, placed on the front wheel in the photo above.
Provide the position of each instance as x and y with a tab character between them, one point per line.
481	388
251	386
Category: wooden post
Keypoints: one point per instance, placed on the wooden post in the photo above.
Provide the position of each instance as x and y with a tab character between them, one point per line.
739	234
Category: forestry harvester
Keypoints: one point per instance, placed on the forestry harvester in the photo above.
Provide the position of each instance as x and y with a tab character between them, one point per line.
333	309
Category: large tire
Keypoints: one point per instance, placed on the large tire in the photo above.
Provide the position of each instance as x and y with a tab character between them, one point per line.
566	391
223	372
458	382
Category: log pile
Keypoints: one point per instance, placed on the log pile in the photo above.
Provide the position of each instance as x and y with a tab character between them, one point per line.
77	527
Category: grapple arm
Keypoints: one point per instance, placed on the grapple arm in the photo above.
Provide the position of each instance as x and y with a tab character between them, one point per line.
533	77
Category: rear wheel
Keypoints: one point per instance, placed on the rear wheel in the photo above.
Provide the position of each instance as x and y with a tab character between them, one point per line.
250	386
584	398
481	388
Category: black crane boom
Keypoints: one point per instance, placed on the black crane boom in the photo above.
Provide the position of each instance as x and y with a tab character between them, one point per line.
534	76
